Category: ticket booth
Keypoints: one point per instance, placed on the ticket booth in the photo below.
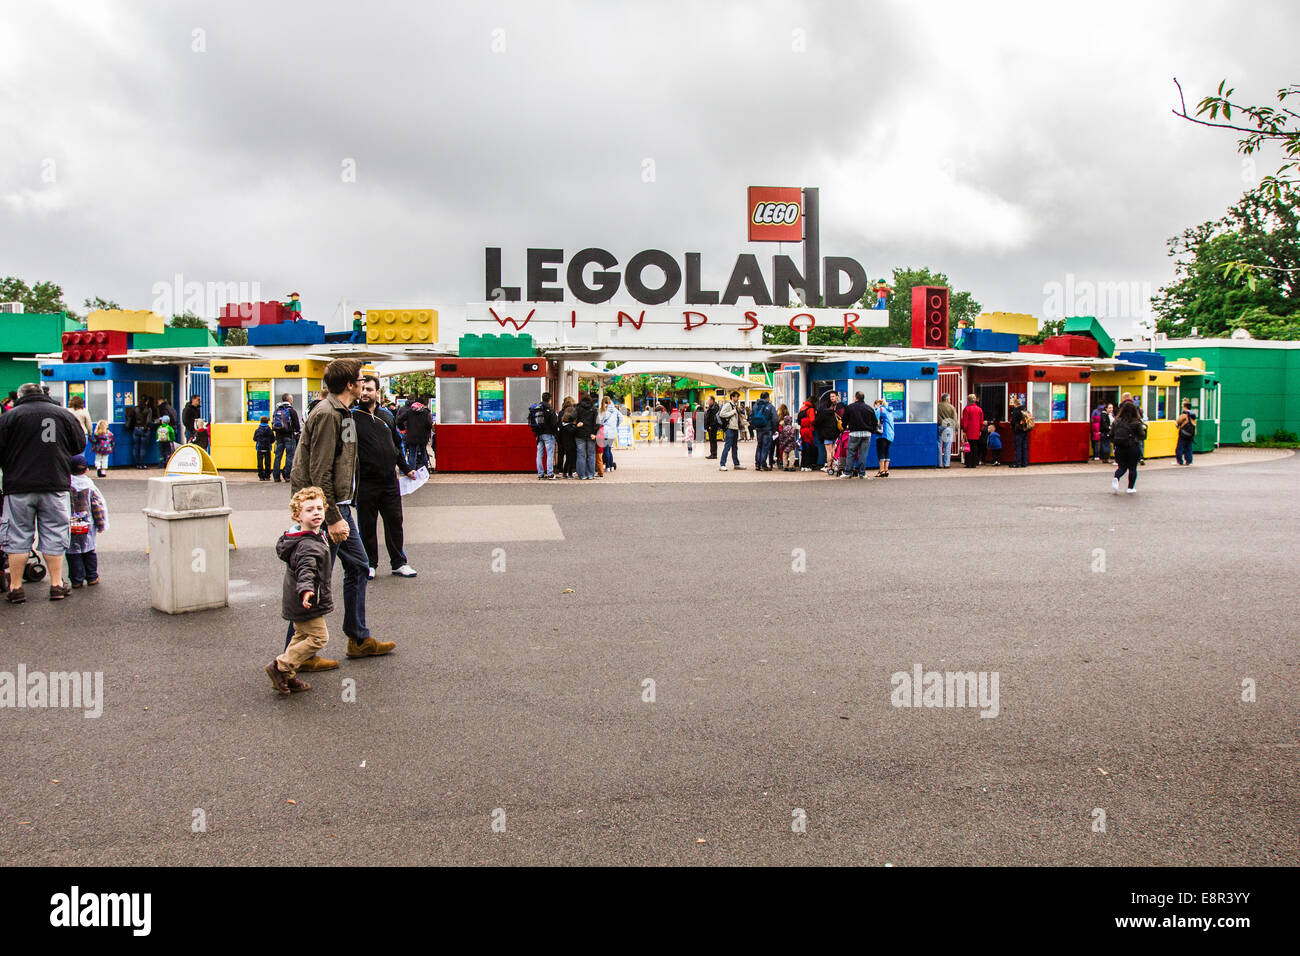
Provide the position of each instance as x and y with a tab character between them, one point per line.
243	390
108	390
1156	392
1058	398
483	412
911	391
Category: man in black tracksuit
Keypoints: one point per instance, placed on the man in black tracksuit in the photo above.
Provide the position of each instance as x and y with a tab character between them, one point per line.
378	462
711	427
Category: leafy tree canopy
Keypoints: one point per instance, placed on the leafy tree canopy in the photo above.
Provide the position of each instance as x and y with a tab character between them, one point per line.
43	297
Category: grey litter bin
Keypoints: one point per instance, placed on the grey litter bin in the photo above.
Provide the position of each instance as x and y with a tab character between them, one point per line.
189	564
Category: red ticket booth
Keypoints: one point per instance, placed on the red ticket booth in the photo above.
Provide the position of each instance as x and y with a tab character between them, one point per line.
1058	398
483	413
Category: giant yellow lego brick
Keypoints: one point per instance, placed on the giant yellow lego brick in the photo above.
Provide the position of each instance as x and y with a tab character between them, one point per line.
1017	323
125	320
1198	362
401	326
267	368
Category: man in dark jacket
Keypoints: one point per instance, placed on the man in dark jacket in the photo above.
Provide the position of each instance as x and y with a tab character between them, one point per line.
419	426
378	462
286	437
763	421
140	421
546	426
711	426
38	438
860	423
826	429
189	415
586	437
327	459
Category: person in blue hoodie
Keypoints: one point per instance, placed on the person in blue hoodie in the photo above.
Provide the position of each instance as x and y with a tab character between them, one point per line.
264	441
993	442
885	418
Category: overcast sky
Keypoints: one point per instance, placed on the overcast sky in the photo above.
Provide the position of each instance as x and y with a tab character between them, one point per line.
1008	145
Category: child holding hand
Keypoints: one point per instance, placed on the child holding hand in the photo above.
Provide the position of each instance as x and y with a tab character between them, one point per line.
305	596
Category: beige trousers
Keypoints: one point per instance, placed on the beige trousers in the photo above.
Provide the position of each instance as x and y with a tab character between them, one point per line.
308	638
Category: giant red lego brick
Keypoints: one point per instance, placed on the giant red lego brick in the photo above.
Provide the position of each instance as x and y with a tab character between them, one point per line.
1080	345
243	315
84	346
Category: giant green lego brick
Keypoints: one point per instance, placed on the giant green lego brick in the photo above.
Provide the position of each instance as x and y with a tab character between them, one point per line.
33	333
1088	325
175	339
497	346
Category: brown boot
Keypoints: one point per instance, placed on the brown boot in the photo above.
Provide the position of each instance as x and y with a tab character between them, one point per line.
16	595
297	686
315	663
277	678
369	647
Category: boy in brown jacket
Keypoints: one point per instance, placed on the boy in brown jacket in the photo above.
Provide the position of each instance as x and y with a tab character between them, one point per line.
305	597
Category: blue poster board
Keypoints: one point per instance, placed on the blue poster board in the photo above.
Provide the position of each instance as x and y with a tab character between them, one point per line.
892	393
123	398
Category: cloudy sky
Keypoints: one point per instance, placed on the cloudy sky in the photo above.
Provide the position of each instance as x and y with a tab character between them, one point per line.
370	151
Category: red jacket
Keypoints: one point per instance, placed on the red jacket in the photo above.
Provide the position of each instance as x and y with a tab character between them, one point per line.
972	422
806	416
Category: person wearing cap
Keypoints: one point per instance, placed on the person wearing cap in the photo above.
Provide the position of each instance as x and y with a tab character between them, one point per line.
37	478
89	519
166	439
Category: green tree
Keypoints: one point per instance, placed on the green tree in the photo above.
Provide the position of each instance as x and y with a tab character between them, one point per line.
1046	330
1263	126
1259	232
43	297
188	321
413	383
236	337
97	303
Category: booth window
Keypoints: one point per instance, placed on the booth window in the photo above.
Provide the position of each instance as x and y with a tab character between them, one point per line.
97	400
521	394
228	401
1173	408
1210	410
294	387
455	401
1079	410
992	397
59	392
1040	401
869	387
920	401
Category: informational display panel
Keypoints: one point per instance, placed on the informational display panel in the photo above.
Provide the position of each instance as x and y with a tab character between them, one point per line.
490	400
894	393
259	399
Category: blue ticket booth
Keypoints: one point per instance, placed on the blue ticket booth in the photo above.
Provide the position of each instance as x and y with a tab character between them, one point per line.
108	389
910	389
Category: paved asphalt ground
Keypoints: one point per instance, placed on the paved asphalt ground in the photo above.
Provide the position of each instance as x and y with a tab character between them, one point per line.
522	690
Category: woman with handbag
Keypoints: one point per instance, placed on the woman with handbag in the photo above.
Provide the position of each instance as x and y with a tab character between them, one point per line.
972	427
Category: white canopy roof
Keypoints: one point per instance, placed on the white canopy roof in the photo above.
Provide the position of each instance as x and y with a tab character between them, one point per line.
710	373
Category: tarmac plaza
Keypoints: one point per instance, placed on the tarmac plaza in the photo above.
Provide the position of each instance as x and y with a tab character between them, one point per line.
701	672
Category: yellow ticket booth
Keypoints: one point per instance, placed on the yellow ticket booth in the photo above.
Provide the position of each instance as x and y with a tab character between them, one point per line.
243	390
1156	393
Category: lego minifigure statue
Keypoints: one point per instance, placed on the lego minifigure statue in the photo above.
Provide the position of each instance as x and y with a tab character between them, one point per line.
358	328
294	306
881	290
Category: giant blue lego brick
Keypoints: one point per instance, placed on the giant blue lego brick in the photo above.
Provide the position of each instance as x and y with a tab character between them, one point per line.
1152	360
301	332
982	340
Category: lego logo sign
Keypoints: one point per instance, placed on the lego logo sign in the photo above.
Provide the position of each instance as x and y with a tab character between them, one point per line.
929	317
775	214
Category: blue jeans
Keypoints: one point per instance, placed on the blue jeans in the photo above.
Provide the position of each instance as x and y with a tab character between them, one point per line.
1022	449
586	457
732	436
356	572
140	441
83	566
1184	450
416	457
545	455
858	450
945	447
283	447
763	454
821	452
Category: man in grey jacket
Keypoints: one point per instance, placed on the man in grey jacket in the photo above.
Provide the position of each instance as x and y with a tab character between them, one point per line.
327	458
732	419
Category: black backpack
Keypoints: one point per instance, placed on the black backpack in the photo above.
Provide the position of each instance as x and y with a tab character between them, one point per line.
537	418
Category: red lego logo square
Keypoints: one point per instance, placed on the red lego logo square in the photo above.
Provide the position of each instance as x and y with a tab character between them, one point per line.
775	214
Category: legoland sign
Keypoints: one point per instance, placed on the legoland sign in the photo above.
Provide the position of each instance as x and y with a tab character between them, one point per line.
592	277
